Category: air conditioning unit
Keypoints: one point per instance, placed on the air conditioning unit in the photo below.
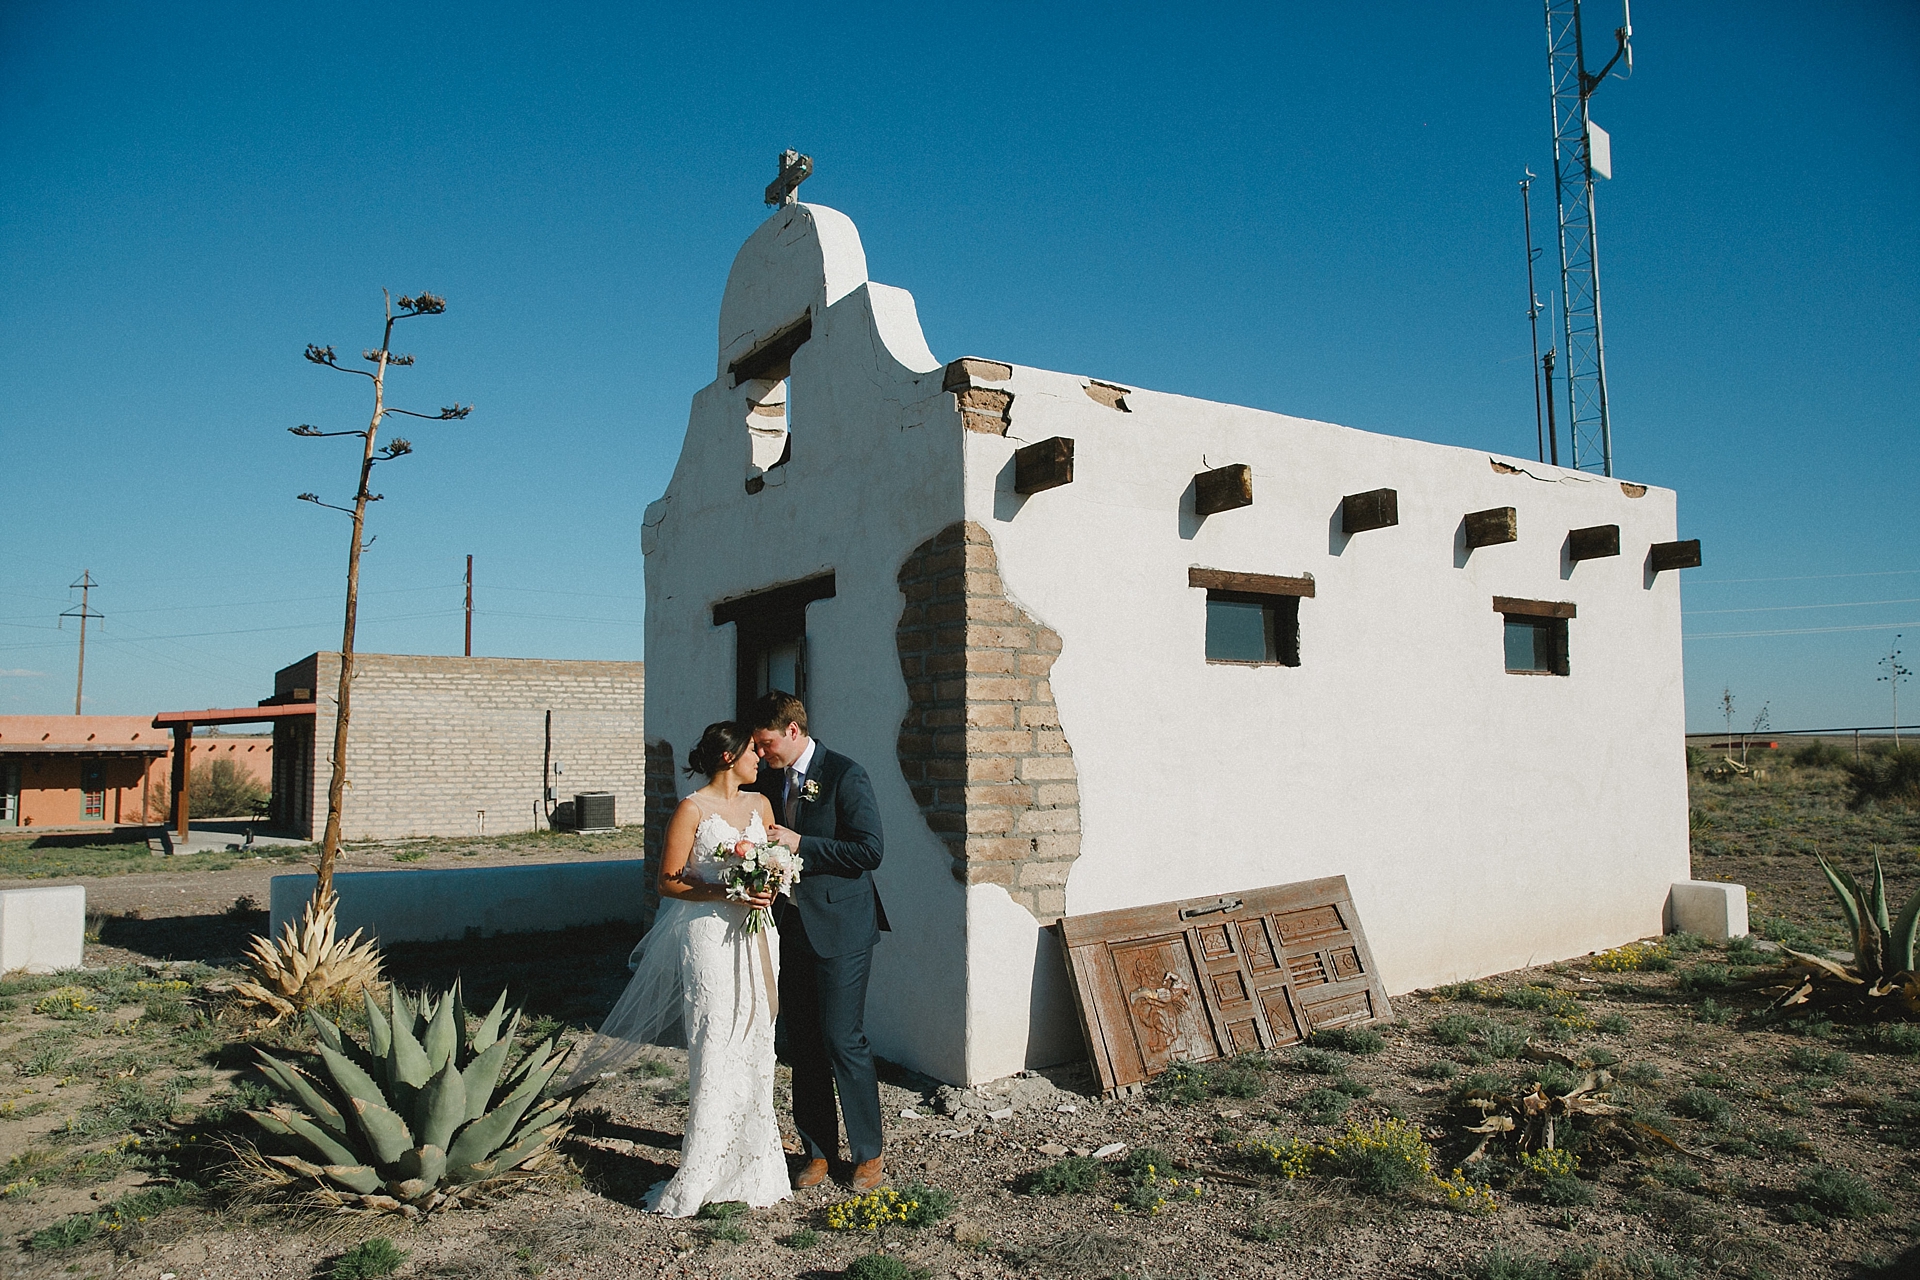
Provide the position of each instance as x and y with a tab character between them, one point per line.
593	811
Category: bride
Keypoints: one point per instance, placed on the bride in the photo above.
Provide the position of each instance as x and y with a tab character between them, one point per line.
700	980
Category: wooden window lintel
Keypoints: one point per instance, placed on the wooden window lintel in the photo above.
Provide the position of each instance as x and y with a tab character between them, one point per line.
1534	608
1260	584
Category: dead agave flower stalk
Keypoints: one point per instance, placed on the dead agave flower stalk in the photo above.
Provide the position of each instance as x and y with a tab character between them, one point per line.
309	965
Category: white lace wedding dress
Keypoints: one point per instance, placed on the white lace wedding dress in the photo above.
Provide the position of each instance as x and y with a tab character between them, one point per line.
700	980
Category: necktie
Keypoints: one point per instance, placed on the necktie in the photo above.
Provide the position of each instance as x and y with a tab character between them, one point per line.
790	807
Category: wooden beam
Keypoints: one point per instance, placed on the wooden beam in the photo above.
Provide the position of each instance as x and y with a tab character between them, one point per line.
182	758
1042	466
1492	527
1374	509
774	600
1534	608
1258	584
1223	489
1676	555
773	357
1594	543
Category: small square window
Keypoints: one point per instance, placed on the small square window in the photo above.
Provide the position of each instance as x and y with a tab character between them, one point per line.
1248	628
1536	646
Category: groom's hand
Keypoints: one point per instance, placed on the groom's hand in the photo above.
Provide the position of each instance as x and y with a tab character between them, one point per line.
786	836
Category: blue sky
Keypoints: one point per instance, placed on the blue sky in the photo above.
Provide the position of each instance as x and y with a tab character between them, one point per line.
1308	210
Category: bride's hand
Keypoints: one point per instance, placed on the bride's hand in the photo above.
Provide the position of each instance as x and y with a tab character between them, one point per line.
762	900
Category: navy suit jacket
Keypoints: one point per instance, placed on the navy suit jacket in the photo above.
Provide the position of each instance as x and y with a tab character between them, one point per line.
840	845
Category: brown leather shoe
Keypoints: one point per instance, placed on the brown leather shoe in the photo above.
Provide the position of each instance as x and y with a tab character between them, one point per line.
868	1175
812	1175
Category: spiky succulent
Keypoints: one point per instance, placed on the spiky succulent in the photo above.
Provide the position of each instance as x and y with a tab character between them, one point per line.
424	1113
1883	949
1883	946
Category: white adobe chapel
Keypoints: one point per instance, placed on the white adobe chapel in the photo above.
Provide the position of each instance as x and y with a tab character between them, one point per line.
1100	647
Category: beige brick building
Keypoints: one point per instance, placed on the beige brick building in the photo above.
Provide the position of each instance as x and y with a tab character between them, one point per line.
453	746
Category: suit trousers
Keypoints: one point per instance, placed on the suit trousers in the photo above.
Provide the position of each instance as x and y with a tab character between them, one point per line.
822	1036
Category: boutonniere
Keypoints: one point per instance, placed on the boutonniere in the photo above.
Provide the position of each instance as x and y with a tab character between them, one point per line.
810	790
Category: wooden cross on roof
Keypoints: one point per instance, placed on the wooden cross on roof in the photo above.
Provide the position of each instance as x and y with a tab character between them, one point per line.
794	170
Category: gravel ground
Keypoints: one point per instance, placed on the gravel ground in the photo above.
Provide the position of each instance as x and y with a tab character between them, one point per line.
1767	1120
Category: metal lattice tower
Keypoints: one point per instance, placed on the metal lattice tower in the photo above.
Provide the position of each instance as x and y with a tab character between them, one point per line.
1585	363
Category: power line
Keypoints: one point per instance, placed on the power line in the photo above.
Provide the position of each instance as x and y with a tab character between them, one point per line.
1790	608
1804	577
1794	631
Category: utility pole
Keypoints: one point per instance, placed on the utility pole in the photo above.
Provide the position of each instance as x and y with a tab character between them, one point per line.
86	584
469	606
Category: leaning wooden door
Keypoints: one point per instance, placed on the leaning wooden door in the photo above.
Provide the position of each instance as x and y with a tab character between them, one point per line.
1209	978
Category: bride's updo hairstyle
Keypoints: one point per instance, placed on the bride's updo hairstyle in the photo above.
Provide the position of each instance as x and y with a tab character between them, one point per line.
720	745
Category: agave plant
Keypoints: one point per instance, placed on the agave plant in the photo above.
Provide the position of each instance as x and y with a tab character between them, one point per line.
423	1114
309	965
1883	944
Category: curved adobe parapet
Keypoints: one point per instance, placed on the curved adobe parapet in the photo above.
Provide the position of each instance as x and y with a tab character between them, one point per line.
798	263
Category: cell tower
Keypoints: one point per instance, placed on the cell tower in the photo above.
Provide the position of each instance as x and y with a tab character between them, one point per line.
1581	150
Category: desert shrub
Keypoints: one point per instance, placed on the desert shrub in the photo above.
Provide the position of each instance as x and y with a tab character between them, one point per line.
1454	1028
1071	1176
1234	1079
1640	1073
1897	1037
1353	1088
1683	1177
1438	1069
221	789
1322	1106
804	1238
1885	777
1703	1105
912	1204
1189	1082
1182	1082
1713	1011
1553	1078
1817	1061
1388	1157
1357	1040
1320	1063
130	1209
1614	1024
1780	1141
1840	1194
1682	943
369	1260
1820	755
1468	990
1706	977
1504	1042
1527	997
1635	957
880	1266
1503	1264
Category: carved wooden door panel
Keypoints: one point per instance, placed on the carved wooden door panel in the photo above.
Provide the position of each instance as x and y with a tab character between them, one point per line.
1210	978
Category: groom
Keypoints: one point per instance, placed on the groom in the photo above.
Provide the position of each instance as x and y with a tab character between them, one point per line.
828	930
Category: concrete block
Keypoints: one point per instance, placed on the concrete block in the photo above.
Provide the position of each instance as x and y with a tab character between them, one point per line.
43	930
433	906
1714	910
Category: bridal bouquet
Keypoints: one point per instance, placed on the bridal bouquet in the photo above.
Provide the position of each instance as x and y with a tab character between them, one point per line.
755	868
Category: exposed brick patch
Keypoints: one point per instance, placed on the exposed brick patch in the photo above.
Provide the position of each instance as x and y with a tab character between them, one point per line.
982	409
663	797
981	744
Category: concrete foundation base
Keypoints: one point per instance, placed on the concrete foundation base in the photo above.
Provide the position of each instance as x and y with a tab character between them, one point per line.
433	906
43	930
1714	910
